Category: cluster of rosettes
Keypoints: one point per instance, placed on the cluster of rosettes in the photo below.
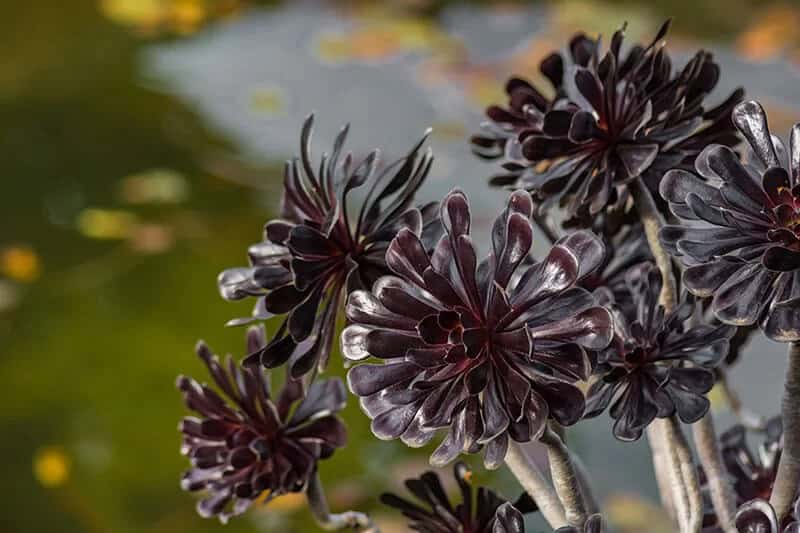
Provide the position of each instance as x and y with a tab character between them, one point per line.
658	364
615	117
318	252
740	238
484	512
485	349
254	443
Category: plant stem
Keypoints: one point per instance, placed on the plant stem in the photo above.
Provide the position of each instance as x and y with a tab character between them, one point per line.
687	488
652	223
534	483
705	439
661	467
592	505
788	478
565	478
674	483
333	522
684	465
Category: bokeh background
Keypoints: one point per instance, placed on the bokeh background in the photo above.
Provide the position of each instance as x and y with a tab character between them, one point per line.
141	143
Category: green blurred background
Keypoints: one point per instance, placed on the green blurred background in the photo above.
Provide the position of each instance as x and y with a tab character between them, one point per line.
141	144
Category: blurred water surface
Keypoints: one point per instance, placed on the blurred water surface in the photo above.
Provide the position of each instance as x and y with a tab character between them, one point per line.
142	142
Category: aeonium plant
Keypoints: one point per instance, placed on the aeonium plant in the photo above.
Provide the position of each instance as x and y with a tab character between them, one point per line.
465	348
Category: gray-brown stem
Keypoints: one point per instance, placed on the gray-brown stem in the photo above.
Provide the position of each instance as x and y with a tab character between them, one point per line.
684	464
722	496
565	478
788	478
652	223
661	467
535	485
333	522
687	488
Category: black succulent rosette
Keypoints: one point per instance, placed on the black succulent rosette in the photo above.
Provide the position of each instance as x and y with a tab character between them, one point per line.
317	253
481	511
623	116
752	473
479	348
594	524
625	250
507	127
658	364
246	442
758	516
740	238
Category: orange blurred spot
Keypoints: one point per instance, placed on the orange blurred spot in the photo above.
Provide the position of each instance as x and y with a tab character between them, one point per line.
20	263
51	466
152	238
771	34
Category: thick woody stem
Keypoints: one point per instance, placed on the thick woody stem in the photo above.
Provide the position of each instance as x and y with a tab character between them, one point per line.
722	496
687	490
788	478
674	475
534	483
589	498
682	458
661	467
652	223
333	522
565	478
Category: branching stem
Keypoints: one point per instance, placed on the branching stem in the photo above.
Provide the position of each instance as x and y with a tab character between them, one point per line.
565	478
788	478
334	522
534	483
686	492
722	496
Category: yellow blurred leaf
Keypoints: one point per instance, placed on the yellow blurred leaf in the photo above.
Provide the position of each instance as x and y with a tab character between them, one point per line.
288	502
156	186
187	15
51	466
632	514
20	263
105	223
134	12
268	100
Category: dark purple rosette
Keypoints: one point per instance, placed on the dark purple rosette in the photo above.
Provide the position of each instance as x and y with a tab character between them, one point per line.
594	524
740	240
485	349
507	127
625	250
623	116
317	252
752	473
481	511
658	364
246	442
